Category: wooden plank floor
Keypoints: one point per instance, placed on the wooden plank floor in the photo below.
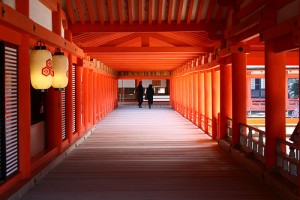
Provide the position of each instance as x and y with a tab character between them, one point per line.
142	154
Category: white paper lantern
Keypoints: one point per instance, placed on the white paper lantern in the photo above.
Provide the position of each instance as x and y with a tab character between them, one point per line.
60	68
41	72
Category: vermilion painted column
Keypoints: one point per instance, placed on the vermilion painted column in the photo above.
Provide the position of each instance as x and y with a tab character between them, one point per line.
79	100
207	99
248	89
85	94
275	102
191	98
54	100
239	68
201	98
24	106
69	88
95	100
195	97
225	97
215	101
91	97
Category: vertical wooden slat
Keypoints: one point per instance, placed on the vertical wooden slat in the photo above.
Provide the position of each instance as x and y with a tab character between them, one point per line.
130	11
120	11
100	11
70	11
200	7
170	11
160	11
90	11
150	12
80	11
188	21
179	11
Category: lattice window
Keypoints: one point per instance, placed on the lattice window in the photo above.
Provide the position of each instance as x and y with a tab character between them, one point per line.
9	144
73	98
63	112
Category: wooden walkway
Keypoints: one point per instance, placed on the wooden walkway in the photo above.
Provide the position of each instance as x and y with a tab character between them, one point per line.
142	154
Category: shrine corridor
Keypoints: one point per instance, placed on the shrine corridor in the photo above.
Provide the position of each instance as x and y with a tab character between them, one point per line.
140	153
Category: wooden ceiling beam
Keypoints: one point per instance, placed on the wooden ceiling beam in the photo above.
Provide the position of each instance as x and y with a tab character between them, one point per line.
170	11
90	10
150	8
100	11
110	12
219	14
169	40
140	50
191	5
120	11
210	10
193	27
80	11
200	8
130	12
160	11
180	7
140	12
70	11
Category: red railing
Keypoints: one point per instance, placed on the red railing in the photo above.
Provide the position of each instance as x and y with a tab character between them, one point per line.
287	160
252	140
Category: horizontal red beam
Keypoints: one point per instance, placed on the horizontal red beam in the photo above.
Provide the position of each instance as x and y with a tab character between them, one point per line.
145	27
140	50
234	49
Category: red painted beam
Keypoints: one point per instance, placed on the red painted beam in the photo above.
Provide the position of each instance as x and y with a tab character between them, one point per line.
180	50
145	27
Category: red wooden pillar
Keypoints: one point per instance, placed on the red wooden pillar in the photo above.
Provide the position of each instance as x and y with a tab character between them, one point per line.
225	97
195	97
275	101
85	93
190	89
215	101
79	99
201	99
248	90
95	99
54	100
91	97
239	113
69	88
207	99
24	106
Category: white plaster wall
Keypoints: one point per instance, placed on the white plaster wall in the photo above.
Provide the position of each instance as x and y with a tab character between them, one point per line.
37	138
40	14
11	3
126	83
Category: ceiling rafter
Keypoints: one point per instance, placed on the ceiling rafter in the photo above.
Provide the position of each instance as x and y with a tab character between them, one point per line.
80	11
90	10
100	12
120	11
191	5
140	12
70	11
160	11
219	13
121	40
211	7
170	9
110	12
129	8
150	7
180	7
200	8
169	40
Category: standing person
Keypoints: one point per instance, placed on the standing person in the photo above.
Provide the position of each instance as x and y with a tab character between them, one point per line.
139	92
150	93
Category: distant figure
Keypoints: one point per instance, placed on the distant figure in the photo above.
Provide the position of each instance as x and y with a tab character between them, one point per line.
150	93
139	93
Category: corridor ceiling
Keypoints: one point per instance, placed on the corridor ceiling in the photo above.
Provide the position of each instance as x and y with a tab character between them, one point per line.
145	35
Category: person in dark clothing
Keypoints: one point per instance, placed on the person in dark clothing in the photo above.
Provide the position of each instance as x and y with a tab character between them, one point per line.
139	92
150	93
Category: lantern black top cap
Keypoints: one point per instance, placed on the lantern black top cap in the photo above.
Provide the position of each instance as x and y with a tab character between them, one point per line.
40	45
58	52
